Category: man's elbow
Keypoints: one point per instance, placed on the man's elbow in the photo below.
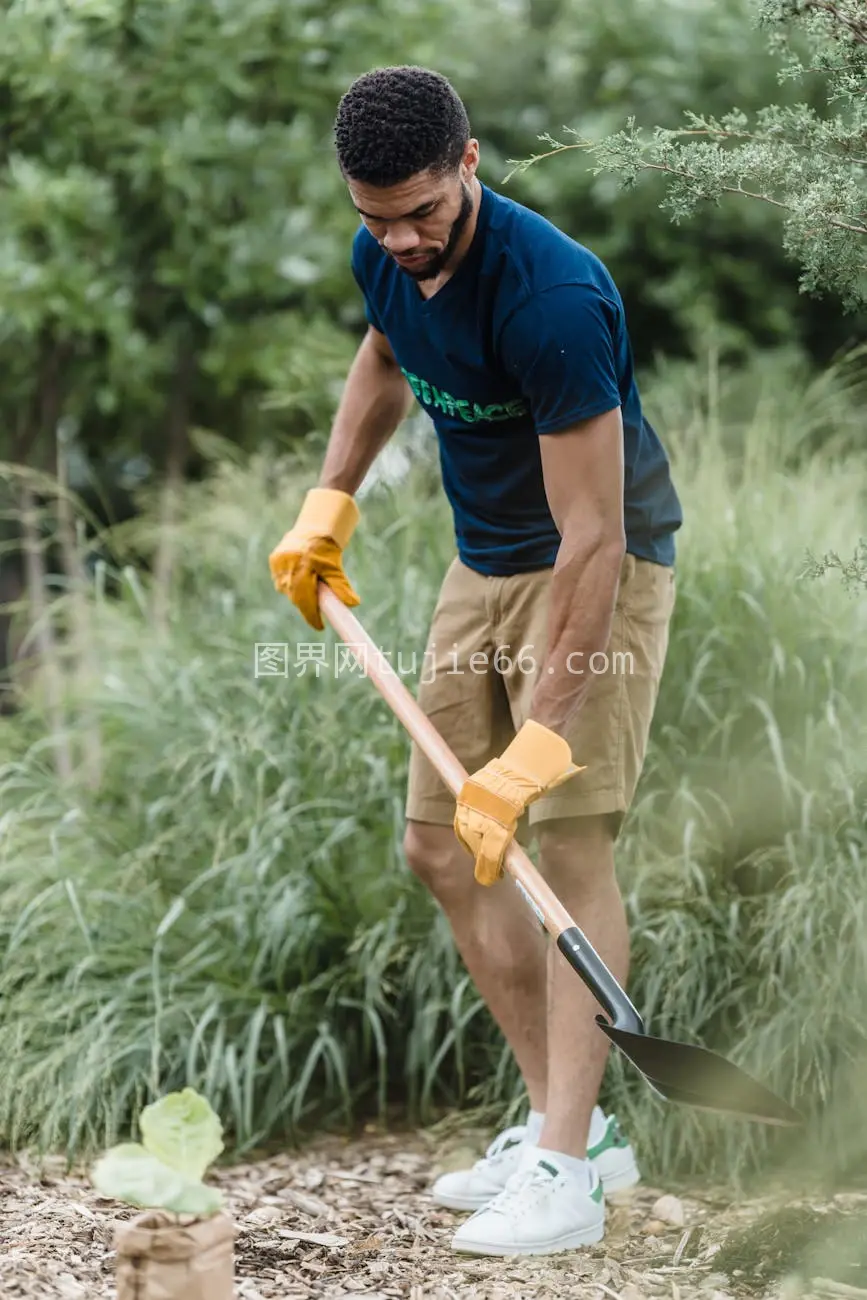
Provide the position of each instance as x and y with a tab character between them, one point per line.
583	540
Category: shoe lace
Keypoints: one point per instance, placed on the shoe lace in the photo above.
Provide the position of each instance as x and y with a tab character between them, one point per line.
526	1186
503	1142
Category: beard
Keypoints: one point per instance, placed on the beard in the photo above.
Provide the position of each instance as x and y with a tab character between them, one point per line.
438	263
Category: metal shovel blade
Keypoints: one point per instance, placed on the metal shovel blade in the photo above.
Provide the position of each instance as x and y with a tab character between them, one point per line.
678	1072
695	1076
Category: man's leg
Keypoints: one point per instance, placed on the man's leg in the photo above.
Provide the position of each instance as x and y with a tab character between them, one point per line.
577	859
578	823
495	935
499	941
555	1200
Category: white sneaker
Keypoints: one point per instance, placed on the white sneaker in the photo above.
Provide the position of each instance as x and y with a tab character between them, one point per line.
541	1211
471	1189
614	1158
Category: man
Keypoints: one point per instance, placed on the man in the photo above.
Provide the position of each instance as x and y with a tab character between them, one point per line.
512	337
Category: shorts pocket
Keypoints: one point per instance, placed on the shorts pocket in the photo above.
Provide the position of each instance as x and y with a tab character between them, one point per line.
649	592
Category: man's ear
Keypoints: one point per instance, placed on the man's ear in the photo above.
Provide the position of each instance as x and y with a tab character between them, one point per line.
471	159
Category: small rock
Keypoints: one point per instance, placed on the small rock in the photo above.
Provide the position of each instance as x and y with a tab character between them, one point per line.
264	1215
654	1228
629	1291
670	1210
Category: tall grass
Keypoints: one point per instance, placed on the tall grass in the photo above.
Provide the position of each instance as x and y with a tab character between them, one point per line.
230	909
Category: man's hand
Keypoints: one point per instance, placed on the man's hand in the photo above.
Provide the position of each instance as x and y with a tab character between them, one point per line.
492	800
313	549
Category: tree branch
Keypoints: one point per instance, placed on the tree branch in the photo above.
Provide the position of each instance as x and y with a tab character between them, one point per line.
750	194
772	139
856	26
688	176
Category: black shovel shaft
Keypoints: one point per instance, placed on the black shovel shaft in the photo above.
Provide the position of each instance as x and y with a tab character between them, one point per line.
585	960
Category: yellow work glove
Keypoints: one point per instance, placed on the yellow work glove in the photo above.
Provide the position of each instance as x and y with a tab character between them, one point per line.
492	800
313	549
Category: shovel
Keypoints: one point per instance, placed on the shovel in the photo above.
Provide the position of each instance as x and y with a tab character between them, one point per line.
678	1072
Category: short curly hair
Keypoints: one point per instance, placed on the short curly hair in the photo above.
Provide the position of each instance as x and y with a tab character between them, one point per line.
393	123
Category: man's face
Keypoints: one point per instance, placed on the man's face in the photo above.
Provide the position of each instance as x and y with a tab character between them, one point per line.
418	222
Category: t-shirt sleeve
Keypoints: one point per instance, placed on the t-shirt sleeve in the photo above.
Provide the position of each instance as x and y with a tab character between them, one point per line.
357	262
560	347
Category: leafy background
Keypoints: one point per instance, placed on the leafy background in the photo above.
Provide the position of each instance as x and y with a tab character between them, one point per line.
200	869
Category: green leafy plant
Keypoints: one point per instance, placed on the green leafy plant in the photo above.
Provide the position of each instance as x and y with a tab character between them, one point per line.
807	163
181	1136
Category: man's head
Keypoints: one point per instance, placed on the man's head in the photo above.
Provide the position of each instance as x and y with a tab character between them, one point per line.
404	149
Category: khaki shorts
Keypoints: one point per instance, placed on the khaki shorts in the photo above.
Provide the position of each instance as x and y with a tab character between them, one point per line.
485	651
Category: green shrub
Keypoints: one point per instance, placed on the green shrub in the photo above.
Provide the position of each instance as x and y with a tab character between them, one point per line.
230	911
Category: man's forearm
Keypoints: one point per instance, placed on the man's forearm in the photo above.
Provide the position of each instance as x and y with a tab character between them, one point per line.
583	596
375	399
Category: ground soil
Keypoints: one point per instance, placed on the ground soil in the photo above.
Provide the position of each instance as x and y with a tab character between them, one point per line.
353	1218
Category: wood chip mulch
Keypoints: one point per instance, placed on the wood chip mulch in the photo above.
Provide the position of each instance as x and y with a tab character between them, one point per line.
353	1218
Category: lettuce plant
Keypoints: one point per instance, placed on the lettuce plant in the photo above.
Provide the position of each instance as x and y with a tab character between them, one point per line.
181	1136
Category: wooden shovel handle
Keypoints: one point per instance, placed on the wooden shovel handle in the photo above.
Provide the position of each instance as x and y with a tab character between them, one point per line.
548	908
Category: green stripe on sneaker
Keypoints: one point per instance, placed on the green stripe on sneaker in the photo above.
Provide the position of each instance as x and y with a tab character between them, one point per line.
596	1194
613	1138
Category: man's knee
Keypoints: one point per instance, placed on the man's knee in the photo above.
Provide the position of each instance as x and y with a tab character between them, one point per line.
434	855
579	849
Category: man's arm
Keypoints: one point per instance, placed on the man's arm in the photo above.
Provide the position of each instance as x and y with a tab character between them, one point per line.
560	348
583	473
376	398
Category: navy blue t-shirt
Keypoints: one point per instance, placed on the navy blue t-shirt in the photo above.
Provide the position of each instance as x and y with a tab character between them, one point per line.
527	337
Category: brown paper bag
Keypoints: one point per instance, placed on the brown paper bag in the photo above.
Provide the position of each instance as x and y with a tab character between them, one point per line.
164	1256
